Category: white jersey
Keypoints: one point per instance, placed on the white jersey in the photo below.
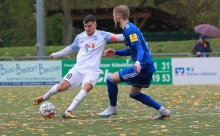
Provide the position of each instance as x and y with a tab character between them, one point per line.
90	50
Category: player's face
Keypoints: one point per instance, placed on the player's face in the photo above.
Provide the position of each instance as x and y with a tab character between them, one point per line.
116	19
90	28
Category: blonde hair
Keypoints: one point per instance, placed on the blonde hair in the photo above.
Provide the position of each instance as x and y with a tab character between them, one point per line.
123	11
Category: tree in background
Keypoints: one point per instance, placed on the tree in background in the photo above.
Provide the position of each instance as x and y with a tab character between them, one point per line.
198	11
18	17
67	23
59	25
18	23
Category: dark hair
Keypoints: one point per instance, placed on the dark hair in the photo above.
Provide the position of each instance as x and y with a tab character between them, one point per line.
89	18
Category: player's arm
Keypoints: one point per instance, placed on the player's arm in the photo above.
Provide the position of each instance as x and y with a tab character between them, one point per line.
124	52
117	38
140	54
135	42
111	37
69	49
111	52
61	53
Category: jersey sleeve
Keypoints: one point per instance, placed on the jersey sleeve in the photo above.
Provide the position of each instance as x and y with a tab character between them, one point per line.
111	37
133	37
75	45
108	36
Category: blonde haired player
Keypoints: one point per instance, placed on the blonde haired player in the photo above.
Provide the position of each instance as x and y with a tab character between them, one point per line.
139	75
91	44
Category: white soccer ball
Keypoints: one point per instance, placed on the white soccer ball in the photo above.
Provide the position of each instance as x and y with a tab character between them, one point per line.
47	110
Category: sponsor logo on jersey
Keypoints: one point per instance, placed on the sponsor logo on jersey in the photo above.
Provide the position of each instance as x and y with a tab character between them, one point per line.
133	37
89	46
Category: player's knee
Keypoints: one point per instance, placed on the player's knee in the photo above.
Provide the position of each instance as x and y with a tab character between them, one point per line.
109	80
134	95
87	86
63	86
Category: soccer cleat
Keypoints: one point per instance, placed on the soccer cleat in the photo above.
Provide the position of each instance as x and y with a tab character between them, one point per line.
69	115
161	115
38	100
108	112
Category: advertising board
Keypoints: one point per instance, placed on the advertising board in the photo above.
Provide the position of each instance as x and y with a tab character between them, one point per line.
163	75
30	72
196	70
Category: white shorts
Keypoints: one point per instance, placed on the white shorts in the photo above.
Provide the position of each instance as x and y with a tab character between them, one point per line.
75	78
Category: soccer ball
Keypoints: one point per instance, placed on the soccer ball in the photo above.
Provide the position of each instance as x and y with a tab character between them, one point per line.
47	110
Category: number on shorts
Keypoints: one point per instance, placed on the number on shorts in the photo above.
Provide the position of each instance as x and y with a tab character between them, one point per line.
69	75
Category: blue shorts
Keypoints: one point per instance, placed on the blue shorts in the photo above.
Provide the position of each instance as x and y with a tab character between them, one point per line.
132	77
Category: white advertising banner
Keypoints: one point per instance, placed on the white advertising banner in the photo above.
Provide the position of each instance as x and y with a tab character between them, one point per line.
196	70
30	72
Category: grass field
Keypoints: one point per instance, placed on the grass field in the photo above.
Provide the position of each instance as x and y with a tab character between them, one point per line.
195	111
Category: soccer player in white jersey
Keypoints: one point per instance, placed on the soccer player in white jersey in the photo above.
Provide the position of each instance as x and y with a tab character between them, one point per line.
91	44
137	76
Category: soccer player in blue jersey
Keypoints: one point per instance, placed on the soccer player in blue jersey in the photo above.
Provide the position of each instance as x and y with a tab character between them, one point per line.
140	74
86	71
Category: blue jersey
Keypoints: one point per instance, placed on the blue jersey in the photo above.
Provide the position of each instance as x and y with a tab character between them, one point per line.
133	37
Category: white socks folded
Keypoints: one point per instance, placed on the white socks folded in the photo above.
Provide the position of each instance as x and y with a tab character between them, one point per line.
80	97
52	91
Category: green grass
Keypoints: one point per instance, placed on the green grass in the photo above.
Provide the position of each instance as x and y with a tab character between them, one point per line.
156	47
195	112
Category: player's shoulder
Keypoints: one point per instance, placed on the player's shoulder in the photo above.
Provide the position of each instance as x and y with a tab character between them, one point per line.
130	28
130	25
99	32
103	34
82	33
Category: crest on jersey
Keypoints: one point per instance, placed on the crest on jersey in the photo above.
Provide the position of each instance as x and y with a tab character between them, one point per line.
127	26
89	47
95	38
133	37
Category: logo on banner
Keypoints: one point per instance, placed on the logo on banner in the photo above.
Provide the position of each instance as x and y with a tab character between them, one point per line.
190	69
179	71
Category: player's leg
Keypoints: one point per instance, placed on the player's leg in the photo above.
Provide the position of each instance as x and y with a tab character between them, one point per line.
89	81
69	80
42	98
134	92
112	89
147	100
138	81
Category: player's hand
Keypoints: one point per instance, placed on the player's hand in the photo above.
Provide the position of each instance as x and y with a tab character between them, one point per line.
109	52
137	66
198	53
50	57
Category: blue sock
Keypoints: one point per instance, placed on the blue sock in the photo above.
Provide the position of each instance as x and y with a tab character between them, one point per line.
112	91
145	99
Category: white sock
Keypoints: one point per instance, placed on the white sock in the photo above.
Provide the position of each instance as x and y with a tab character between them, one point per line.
112	106
161	109
52	91
80	97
